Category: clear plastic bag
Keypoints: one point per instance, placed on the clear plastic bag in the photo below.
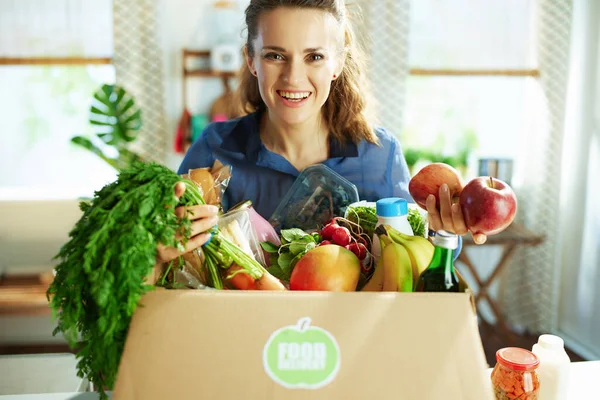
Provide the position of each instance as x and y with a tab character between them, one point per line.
212	181
237	226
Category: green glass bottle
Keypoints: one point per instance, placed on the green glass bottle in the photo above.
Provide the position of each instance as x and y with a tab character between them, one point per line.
440	275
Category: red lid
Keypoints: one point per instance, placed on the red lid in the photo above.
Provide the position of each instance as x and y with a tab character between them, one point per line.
517	359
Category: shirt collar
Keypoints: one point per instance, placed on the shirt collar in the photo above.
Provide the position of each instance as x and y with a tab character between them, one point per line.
245	139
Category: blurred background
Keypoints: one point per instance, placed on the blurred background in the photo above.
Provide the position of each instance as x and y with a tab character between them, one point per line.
505	88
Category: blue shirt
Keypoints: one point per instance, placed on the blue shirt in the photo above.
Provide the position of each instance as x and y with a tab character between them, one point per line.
264	177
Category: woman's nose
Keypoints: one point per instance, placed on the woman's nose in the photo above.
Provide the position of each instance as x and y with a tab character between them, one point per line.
294	74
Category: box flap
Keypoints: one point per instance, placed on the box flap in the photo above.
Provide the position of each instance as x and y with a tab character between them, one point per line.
187	344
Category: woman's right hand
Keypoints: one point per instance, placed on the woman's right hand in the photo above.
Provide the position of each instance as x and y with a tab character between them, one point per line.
203	218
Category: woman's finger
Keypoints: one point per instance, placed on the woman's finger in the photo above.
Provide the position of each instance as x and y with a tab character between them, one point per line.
197	211
202	211
203	224
435	221
446	208
197	241
179	189
458	220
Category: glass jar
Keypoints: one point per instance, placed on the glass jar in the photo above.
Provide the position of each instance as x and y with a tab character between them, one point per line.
515	374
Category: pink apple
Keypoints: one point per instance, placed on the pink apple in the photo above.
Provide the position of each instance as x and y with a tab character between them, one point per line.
429	180
489	205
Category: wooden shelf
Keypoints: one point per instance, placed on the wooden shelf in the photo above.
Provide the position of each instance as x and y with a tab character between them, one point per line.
25	295
55	60
207	73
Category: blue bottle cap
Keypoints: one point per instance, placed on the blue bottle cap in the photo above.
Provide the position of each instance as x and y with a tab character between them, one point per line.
391	207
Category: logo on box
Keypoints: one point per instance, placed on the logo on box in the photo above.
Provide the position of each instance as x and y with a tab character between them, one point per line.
302	356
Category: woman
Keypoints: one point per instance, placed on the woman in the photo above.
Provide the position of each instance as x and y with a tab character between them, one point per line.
302	87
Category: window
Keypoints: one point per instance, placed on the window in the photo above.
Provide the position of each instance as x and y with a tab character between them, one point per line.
53	56
472	77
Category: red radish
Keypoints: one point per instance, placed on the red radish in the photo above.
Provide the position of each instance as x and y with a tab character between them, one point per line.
327	231
324	242
341	236
359	249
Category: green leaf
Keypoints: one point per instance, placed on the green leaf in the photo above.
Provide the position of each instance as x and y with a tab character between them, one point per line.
269	247
297	247
295	260
284	260
293	234
120	118
277	272
306	239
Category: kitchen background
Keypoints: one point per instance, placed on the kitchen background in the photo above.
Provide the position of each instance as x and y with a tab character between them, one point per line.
475	84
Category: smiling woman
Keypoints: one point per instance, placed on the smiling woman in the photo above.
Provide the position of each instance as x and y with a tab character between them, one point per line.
302	90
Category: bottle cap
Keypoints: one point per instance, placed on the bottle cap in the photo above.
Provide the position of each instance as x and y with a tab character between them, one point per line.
551	342
517	359
391	207
446	240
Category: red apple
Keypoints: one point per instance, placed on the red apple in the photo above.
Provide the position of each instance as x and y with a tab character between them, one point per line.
429	180
330	267
488	204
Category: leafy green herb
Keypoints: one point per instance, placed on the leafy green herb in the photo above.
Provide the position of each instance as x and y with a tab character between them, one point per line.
294	244
364	216
112	248
417	222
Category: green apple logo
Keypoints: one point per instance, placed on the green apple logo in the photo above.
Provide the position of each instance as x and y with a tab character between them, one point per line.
301	356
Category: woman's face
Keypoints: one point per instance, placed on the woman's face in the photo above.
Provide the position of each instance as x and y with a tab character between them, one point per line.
296	55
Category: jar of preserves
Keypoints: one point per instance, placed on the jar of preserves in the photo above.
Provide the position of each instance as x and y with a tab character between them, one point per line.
515	374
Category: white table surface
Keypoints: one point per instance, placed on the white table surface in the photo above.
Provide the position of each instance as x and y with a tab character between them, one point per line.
584	377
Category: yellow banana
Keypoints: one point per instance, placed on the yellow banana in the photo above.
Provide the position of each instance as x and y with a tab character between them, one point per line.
375	283
398	274
419	249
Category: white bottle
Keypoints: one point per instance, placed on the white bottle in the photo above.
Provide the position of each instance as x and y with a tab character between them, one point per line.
391	211
553	371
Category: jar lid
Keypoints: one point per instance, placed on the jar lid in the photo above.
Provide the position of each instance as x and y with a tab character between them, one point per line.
391	207
517	359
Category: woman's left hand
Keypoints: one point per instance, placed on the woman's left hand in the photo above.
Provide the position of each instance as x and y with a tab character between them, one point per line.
449	217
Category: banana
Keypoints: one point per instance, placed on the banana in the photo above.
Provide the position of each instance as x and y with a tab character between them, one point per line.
398	275
420	250
375	283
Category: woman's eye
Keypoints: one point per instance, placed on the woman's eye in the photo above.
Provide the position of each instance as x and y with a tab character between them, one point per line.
274	56
316	57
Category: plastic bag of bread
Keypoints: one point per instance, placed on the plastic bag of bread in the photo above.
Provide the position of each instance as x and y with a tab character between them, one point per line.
212	181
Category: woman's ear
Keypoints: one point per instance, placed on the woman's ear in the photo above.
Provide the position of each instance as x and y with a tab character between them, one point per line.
249	61
339	67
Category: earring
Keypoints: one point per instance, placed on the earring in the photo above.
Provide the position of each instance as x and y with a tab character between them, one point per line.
334	76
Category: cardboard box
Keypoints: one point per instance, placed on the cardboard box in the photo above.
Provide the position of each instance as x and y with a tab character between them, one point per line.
193	344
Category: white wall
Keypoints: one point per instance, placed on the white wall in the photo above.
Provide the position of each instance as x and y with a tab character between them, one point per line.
192	24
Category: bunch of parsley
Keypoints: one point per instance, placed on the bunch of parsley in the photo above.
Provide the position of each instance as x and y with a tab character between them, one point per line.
102	269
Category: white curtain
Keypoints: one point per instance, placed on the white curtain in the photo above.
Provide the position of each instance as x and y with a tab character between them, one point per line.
382	28
579	319
530	289
138	60
55	28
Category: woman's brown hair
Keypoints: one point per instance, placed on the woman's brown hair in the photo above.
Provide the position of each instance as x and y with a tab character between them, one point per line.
345	110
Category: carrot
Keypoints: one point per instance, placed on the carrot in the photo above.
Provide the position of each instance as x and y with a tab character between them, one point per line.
239	278
509	384
269	282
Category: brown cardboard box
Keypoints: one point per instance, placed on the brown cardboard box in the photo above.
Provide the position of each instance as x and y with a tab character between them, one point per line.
186	344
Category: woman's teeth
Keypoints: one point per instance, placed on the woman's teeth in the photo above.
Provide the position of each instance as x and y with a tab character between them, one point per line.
295	97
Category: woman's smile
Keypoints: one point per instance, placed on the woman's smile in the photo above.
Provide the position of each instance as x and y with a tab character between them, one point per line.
293	98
